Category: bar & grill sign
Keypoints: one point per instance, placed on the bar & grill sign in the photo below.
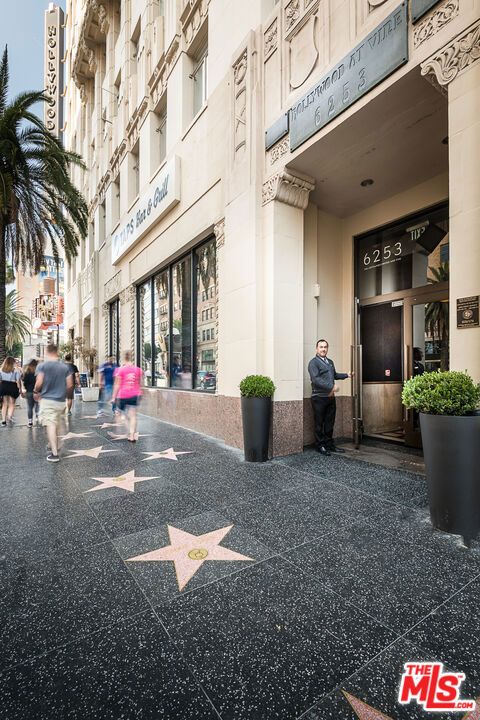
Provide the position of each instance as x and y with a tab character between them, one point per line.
371	61
162	194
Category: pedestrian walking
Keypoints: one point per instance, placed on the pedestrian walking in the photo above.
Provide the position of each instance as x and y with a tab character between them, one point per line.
28	380
127	391
74	372
54	378
106	378
323	375
10	387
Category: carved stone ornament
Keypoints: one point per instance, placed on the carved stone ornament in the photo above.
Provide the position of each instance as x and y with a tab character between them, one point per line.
104	309
240	104
219	232
288	188
303	53
376	3
292	13
270	39
435	21
279	150
113	286
462	52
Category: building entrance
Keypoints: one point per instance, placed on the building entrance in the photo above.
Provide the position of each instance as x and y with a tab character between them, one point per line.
401	323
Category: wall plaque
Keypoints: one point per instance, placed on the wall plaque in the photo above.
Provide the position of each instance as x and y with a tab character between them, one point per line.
371	61
420	7
468	312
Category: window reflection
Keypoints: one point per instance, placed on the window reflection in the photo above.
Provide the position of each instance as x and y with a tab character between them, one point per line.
161	378
182	325
206	289
145	309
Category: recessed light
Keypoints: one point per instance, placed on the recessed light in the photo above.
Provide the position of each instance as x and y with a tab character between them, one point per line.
445	140
367	182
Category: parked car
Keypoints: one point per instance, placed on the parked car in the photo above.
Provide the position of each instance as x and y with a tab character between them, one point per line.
209	381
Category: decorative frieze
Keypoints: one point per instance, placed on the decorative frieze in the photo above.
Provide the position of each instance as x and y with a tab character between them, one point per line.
270	40
113	286
219	232
292	13
136	122
288	188
192	18
435	21
279	150
458	55
157	84
117	157
240	104
93	30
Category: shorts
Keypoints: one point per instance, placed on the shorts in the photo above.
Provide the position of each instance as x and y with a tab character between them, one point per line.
51	411
70	393
122	403
9	389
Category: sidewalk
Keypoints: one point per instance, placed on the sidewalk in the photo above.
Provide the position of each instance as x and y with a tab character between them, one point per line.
308	575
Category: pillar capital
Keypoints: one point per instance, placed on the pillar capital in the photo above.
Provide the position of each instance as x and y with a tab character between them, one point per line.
288	187
459	54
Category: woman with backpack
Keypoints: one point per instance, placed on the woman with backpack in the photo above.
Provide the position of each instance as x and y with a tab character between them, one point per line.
28	385
9	389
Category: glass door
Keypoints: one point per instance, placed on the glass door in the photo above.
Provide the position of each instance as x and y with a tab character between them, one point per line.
427	346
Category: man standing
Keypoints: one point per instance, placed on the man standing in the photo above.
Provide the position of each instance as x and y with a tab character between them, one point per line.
53	380
105	372
73	369
323	375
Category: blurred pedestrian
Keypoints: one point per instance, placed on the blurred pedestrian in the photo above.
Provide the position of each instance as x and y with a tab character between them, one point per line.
127	391
106	378
73	369
28	380
54	378
10	389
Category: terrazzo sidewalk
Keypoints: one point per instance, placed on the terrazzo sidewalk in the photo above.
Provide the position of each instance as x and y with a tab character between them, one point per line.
168	579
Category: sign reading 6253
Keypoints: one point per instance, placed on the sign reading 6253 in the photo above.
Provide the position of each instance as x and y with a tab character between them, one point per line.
381	255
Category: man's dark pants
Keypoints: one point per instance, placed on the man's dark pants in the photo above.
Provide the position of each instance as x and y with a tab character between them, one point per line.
324	410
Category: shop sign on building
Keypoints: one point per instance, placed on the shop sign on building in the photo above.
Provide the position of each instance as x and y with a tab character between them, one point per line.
53	82
371	61
468	312
162	194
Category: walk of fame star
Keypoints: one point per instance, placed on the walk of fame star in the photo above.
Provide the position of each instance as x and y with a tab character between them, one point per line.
102	426
70	435
367	712
169	454
125	437
89	417
126	481
189	552
91	452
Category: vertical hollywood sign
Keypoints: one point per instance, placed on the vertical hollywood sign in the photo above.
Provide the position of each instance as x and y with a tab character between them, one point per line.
53	74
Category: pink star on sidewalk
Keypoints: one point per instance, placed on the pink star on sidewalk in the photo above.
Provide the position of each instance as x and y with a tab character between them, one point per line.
91	452
189	552
70	435
169	454
126	481
125	437
102	426
367	712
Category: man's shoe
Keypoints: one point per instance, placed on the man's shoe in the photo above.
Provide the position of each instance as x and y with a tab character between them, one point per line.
53	458
337	449
323	450
30	423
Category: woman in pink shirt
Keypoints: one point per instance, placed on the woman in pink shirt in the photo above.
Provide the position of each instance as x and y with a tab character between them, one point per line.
127	390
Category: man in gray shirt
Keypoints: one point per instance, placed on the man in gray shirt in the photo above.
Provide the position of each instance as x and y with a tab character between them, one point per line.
323	375
53	379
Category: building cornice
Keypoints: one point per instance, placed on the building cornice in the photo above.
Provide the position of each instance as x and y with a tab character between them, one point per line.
93	30
458	55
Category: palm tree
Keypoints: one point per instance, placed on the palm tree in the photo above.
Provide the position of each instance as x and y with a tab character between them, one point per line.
38	201
17	324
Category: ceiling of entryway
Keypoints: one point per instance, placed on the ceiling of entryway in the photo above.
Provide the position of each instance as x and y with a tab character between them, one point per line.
395	140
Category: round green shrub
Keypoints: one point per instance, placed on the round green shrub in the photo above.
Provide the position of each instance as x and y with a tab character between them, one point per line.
257	386
441	393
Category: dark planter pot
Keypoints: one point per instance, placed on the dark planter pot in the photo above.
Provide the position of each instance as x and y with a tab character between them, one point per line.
256	416
451	447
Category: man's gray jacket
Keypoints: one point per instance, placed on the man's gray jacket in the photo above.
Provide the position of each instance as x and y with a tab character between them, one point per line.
323	376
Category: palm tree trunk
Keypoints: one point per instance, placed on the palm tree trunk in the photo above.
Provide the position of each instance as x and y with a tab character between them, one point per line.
3	271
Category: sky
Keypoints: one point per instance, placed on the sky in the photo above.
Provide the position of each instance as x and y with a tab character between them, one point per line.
21	28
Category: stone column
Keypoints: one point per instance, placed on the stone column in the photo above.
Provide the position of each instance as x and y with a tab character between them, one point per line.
457	67
284	198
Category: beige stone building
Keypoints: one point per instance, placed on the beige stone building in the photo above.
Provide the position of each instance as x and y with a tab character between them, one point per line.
261	174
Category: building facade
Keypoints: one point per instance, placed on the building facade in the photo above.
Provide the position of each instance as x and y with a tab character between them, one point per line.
262	174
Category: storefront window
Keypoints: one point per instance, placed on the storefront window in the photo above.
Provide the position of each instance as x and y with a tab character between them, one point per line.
145	313
406	255
114	330
206	291
182	324
162	325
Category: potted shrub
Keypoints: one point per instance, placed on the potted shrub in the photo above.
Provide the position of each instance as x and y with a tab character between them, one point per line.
450	426
256	392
